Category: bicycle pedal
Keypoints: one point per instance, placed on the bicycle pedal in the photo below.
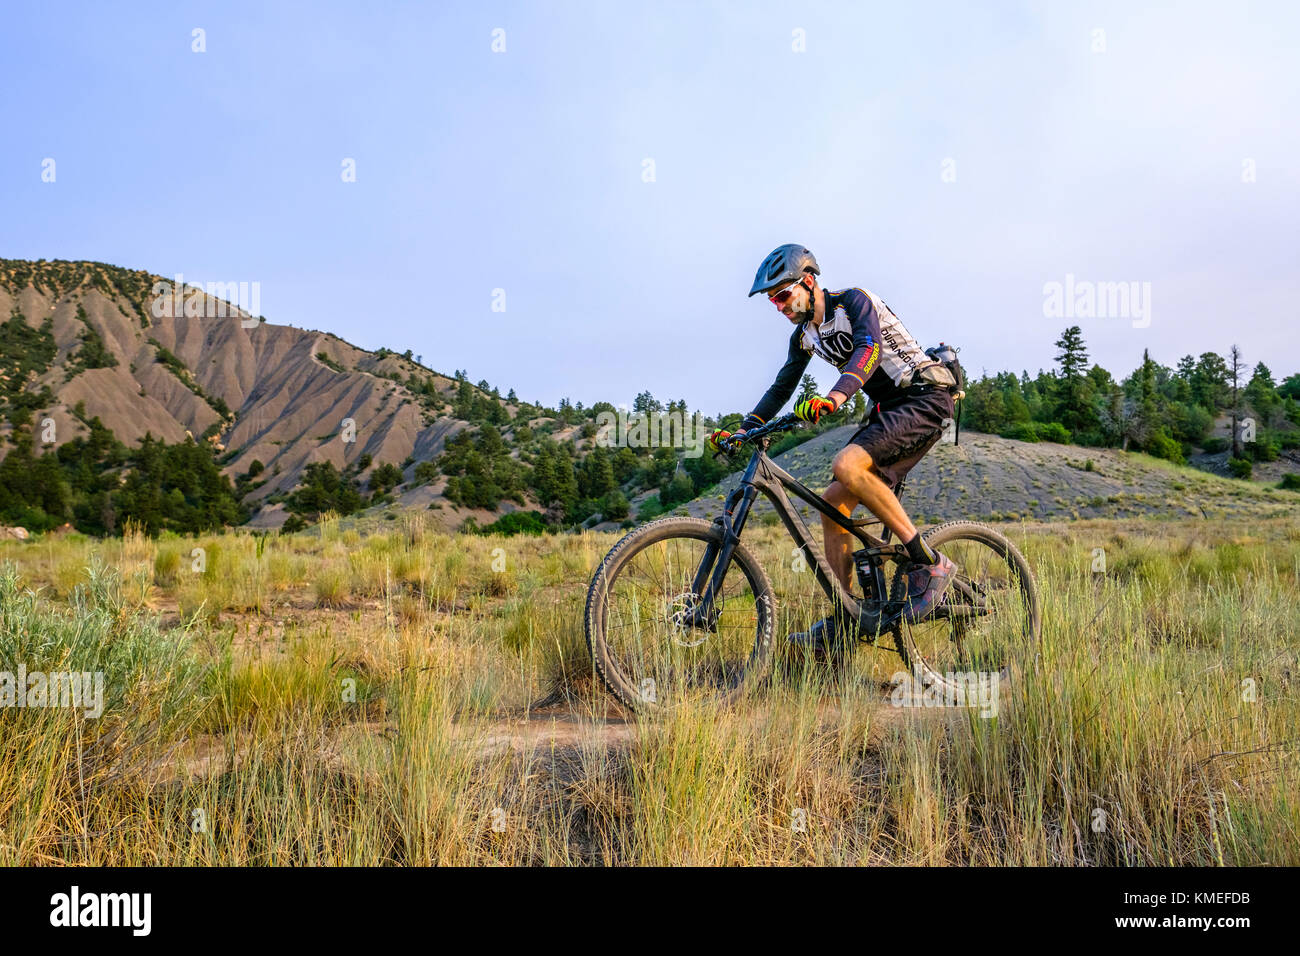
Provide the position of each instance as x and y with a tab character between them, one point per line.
879	617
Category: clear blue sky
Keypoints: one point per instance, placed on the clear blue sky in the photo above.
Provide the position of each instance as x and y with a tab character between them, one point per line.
522	170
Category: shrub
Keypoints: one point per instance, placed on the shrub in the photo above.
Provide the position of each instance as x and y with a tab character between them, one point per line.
614	506
293	525
650	509
54	765
516	522
385	477
1021	431
1290	482
1262	450
166	567
1163	445
1239	467
1212	446
1052	431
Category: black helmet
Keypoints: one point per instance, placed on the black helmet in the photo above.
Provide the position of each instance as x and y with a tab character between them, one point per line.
784	264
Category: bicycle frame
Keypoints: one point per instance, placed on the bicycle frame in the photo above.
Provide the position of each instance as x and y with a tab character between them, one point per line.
765	476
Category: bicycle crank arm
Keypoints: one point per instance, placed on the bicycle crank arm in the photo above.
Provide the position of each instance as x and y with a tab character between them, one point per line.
881	617
877	617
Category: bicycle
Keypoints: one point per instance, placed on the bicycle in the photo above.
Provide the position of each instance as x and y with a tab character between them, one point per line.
674	623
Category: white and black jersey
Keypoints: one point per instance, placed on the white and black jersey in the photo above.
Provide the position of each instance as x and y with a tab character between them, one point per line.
862	338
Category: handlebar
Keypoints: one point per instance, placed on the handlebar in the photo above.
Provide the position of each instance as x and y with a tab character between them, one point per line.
785	423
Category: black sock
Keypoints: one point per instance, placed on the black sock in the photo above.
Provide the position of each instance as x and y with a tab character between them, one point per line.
920	552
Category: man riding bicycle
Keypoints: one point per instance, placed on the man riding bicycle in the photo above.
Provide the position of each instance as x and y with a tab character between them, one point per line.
912	397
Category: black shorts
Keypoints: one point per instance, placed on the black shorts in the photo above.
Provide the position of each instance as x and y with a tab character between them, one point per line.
898	436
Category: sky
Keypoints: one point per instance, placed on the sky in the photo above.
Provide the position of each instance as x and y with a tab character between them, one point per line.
571	199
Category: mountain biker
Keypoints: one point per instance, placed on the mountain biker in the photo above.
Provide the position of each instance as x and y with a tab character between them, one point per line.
912	402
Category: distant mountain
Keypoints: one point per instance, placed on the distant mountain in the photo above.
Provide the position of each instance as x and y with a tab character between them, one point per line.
280	396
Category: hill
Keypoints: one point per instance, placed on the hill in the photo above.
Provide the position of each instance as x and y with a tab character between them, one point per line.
88	340
277	426
986	477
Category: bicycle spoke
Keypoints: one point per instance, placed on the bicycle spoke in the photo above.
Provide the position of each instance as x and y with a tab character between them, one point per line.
985	618
657	631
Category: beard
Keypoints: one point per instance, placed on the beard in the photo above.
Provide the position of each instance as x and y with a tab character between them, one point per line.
806	315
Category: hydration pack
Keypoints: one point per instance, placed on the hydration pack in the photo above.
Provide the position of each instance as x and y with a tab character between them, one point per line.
946	355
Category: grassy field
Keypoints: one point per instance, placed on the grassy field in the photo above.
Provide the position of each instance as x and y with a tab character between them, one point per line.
407	697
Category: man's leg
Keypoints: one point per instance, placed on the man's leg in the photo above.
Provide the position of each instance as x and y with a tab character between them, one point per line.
929	578
839	543
855	472
828	636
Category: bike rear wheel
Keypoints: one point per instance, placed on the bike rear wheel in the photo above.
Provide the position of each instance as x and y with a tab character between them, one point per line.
988	619
653	643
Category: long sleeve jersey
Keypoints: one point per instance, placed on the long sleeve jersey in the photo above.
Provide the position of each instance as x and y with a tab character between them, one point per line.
862	338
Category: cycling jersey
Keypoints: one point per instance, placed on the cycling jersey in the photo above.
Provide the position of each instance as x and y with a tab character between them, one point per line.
862	338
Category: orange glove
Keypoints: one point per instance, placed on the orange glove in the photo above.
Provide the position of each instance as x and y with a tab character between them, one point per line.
717	440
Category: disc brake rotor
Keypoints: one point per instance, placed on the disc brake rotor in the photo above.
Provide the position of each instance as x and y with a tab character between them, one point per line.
684	614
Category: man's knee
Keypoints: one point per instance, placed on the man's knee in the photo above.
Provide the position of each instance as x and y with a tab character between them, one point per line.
851	460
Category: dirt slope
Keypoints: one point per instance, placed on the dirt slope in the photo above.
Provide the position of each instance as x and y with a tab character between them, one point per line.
992	478
287	407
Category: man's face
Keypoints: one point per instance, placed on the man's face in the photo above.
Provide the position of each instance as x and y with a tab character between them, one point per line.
796	306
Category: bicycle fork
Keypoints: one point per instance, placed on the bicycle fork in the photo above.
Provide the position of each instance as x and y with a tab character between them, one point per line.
717	557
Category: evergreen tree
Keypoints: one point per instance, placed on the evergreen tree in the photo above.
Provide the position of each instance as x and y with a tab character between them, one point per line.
1262	396
1234	382
1073	403
1210	382
645	402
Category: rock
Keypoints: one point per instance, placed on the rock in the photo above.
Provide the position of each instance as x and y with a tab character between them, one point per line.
13	534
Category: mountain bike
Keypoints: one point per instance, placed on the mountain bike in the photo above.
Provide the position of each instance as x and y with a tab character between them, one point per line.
681	609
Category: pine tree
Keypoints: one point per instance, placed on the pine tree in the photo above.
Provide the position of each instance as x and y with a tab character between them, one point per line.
1234	373
645	402
1261	395
1072	399
1210	382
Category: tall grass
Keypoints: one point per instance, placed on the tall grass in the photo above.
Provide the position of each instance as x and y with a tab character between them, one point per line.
371	701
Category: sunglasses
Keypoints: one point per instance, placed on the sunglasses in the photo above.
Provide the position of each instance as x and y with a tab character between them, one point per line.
782	297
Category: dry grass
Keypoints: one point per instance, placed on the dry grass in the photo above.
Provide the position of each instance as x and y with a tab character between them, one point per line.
338	698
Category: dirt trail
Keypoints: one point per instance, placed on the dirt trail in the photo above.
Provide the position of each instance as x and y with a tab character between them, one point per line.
560	727
552	729
538	732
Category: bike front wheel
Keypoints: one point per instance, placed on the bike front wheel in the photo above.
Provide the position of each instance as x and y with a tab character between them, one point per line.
654	641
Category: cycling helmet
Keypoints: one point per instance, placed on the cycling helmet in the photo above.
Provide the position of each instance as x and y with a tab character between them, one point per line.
784	264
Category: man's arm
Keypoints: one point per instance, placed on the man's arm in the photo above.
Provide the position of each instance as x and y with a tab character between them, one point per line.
866	347
787	380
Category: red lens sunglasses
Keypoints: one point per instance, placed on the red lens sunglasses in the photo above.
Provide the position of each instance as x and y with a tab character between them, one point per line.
782	297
